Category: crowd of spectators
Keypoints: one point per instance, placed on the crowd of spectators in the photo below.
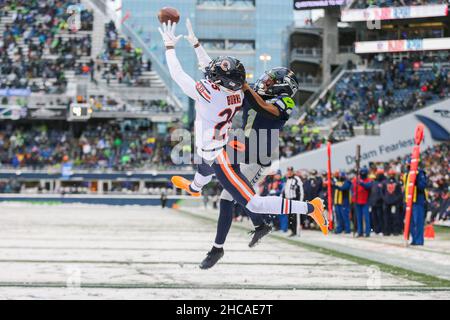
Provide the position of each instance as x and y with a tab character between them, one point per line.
95	147
362	4
38	44
386	177
393	88
295	139
121	60
102	103
307	135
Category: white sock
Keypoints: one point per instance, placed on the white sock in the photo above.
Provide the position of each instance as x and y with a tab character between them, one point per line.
200	181
299	207
276	205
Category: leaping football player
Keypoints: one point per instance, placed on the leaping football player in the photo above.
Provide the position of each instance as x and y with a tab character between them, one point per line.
218	97
262	121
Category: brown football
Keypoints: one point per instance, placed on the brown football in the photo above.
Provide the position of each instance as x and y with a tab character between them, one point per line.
168	13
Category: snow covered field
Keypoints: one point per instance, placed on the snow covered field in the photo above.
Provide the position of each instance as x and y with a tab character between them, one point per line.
105	252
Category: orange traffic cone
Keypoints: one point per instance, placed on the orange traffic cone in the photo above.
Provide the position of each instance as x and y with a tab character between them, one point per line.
429	231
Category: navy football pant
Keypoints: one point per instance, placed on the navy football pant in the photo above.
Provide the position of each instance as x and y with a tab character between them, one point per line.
233	181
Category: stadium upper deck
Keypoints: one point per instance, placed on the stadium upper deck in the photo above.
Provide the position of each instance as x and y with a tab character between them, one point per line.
363	4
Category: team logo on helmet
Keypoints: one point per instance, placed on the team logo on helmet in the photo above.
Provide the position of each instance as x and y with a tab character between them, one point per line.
391	188
225	65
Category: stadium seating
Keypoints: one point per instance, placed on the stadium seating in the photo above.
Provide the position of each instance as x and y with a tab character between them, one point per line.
39	54
385	88
375	95
121	63
362	4
97	147
37	47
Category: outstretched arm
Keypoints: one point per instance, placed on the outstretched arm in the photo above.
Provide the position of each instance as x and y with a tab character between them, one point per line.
280	109
259	104
186	83
202	56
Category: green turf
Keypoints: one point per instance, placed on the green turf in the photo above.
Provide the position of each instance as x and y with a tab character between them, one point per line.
442	230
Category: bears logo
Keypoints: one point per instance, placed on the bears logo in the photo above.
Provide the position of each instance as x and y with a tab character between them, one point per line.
225	65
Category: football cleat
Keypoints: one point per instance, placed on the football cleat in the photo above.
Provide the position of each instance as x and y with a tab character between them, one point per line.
319	215
184	184
259	232
212	257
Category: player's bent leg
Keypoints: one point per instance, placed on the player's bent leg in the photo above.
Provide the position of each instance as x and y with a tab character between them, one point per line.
200	180
202	177
224	222
232	180
223	227
240	188
261	228
277	205
253	173
184	184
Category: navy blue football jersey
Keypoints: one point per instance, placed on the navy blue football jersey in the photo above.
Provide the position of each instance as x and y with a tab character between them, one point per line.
262	131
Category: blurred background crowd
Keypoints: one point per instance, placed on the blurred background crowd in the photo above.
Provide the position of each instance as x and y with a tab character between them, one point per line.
37	45
123	146
383	194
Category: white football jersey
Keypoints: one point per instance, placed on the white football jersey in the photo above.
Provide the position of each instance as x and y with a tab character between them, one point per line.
215	108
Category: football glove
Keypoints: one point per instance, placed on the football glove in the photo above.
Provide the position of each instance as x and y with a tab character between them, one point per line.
168	34
285	105
191	35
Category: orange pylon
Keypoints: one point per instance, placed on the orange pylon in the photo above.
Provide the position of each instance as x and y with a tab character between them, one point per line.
429	231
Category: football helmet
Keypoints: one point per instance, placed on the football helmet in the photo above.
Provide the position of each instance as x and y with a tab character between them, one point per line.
277	82
227	72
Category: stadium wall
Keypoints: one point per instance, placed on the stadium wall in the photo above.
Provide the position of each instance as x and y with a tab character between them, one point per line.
396	139
117	200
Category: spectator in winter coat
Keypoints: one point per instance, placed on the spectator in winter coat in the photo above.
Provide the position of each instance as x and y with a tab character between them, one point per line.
341	201
360	196
312	188
376	202
392	197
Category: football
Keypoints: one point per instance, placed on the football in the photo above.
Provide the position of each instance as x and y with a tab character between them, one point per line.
168	13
